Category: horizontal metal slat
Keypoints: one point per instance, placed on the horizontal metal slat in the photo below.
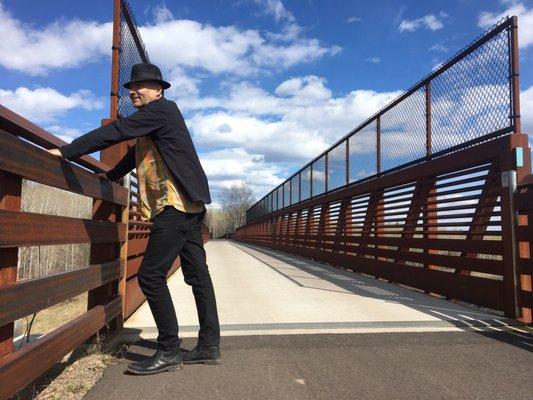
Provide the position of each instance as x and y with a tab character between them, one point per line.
19	368
26	297
31	229
22	158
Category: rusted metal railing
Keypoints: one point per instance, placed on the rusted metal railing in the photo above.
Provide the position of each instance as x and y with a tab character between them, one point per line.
106	232
471	98
445	226
524	236
443	216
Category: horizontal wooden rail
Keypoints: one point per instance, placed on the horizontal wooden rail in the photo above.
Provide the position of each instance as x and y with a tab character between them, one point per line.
31	229
30	162
23	366
17	125
23	298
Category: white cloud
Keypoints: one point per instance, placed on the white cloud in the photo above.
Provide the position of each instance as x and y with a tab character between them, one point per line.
58	45
230	166
294	124
525	21
429	21
526	111
351	20
224	49
64	133
162	14
276	9
439	47
182	85
373	60
46	104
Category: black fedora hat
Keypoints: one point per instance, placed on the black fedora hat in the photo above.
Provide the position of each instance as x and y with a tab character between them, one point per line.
146	72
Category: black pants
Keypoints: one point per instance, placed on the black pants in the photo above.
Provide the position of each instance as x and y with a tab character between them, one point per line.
177	233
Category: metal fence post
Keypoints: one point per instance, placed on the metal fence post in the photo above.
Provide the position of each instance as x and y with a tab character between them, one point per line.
378	144
347	161
511	278
428	119
515	76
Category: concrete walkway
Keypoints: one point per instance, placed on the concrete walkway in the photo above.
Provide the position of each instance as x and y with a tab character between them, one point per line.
296	329
260	291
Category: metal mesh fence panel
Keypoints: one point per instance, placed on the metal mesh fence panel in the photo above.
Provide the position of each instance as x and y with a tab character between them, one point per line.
280	198
362	153
286	193
319	176
305	183
295	189
337	166
469	99
403	131
132	51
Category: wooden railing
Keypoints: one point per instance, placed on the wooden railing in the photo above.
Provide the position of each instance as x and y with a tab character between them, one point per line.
110	279
445	226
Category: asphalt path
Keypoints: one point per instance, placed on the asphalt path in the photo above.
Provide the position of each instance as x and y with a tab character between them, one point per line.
491	364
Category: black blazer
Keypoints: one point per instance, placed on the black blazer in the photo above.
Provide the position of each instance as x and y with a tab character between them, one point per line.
162	120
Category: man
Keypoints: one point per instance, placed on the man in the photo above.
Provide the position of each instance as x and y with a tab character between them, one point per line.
173	192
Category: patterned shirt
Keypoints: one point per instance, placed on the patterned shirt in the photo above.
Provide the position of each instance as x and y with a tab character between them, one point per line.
157	188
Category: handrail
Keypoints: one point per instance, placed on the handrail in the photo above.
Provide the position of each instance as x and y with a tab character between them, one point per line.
21	159
20	126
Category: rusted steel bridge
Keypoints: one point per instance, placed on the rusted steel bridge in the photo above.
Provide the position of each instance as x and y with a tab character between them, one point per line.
433	193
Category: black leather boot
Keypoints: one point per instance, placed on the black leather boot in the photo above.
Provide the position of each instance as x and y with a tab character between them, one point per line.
161	361
203	355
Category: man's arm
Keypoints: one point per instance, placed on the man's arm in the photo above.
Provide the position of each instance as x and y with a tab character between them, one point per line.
123	166
145	121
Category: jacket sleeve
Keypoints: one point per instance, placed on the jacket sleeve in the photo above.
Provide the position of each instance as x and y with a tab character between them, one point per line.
141	123
123	166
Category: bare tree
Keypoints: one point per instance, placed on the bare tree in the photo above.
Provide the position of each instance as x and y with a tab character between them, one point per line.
234	203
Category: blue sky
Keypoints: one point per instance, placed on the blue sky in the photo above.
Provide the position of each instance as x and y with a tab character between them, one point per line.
264	85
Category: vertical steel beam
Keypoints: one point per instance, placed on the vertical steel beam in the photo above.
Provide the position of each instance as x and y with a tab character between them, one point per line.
508	164
378	144
115	61
347	162
326	171
515	77
428	119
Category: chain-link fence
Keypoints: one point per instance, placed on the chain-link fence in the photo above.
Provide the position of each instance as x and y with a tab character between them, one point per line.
473	97
131	52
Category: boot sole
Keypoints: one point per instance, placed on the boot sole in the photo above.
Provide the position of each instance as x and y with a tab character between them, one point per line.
217	361
170	368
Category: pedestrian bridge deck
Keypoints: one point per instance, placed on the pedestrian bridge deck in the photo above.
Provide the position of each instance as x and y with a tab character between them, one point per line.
262	291
296	329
